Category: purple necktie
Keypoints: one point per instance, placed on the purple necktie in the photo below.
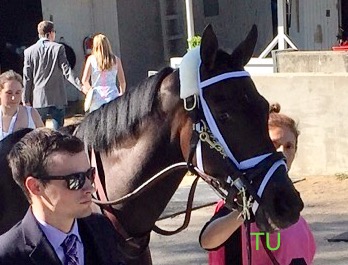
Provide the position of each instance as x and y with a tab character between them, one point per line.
70	250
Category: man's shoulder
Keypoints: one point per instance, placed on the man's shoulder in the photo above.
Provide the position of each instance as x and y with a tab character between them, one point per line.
11	241
36	46
56	44
31	48
14	233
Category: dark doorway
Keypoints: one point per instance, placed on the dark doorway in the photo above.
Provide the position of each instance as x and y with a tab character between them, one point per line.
211	8
344	14
18	30
274	10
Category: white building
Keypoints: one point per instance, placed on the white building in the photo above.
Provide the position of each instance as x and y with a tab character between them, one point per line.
146	33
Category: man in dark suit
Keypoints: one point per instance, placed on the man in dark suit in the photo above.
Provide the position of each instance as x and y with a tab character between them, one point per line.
53	171
45	67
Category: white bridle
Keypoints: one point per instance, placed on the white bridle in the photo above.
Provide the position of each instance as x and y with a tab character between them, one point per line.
189	76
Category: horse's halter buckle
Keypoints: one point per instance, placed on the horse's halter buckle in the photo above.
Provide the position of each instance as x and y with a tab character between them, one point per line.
190	103
246	204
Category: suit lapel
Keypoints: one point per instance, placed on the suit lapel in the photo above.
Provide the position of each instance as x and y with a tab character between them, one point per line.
43	254
40	250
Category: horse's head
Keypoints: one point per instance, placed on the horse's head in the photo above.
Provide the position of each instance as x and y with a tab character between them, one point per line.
235	147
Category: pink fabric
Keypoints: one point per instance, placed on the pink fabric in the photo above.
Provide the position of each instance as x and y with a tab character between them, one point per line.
217	257
297	241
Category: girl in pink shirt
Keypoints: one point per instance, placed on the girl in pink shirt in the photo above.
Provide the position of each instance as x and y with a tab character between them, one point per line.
225	237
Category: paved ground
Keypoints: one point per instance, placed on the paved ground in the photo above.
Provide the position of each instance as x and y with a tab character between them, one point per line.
183	248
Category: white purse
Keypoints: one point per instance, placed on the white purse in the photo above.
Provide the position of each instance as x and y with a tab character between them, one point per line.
88	100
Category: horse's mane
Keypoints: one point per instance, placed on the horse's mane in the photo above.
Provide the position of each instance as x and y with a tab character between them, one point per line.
120	118
6	145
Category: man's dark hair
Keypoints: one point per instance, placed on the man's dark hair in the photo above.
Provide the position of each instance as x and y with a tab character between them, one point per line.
29	157
44	28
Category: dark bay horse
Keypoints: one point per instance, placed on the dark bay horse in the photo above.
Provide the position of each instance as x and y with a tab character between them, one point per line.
149	129
13	204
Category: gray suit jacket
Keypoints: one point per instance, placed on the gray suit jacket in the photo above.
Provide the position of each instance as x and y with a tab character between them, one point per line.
45	66
26	244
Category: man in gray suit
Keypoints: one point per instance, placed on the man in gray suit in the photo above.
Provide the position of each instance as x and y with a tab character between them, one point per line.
45	66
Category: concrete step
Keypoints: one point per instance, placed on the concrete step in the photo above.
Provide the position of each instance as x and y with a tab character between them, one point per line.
311	61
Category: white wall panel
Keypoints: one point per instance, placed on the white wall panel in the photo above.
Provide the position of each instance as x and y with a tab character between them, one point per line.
235	20
316	26
72	20
105	20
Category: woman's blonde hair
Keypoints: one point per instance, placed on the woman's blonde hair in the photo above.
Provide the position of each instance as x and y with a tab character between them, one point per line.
9	75
103	52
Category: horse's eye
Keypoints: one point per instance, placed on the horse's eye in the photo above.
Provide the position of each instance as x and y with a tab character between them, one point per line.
223	117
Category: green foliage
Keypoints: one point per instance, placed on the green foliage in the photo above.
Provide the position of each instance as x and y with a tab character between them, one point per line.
194	42
341	176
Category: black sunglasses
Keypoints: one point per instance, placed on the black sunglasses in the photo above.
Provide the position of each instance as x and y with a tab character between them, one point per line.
74	181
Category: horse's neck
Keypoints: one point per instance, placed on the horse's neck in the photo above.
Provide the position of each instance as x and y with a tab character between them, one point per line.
134	162
129	160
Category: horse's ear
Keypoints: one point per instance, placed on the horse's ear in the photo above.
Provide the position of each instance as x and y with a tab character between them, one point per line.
242	54
209	47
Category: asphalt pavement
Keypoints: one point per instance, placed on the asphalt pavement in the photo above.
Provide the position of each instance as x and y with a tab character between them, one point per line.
183	248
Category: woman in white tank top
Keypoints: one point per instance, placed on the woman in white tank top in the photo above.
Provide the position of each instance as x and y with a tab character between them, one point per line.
103	68
13	116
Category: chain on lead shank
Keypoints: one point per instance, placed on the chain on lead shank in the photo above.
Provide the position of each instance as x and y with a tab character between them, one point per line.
206	136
